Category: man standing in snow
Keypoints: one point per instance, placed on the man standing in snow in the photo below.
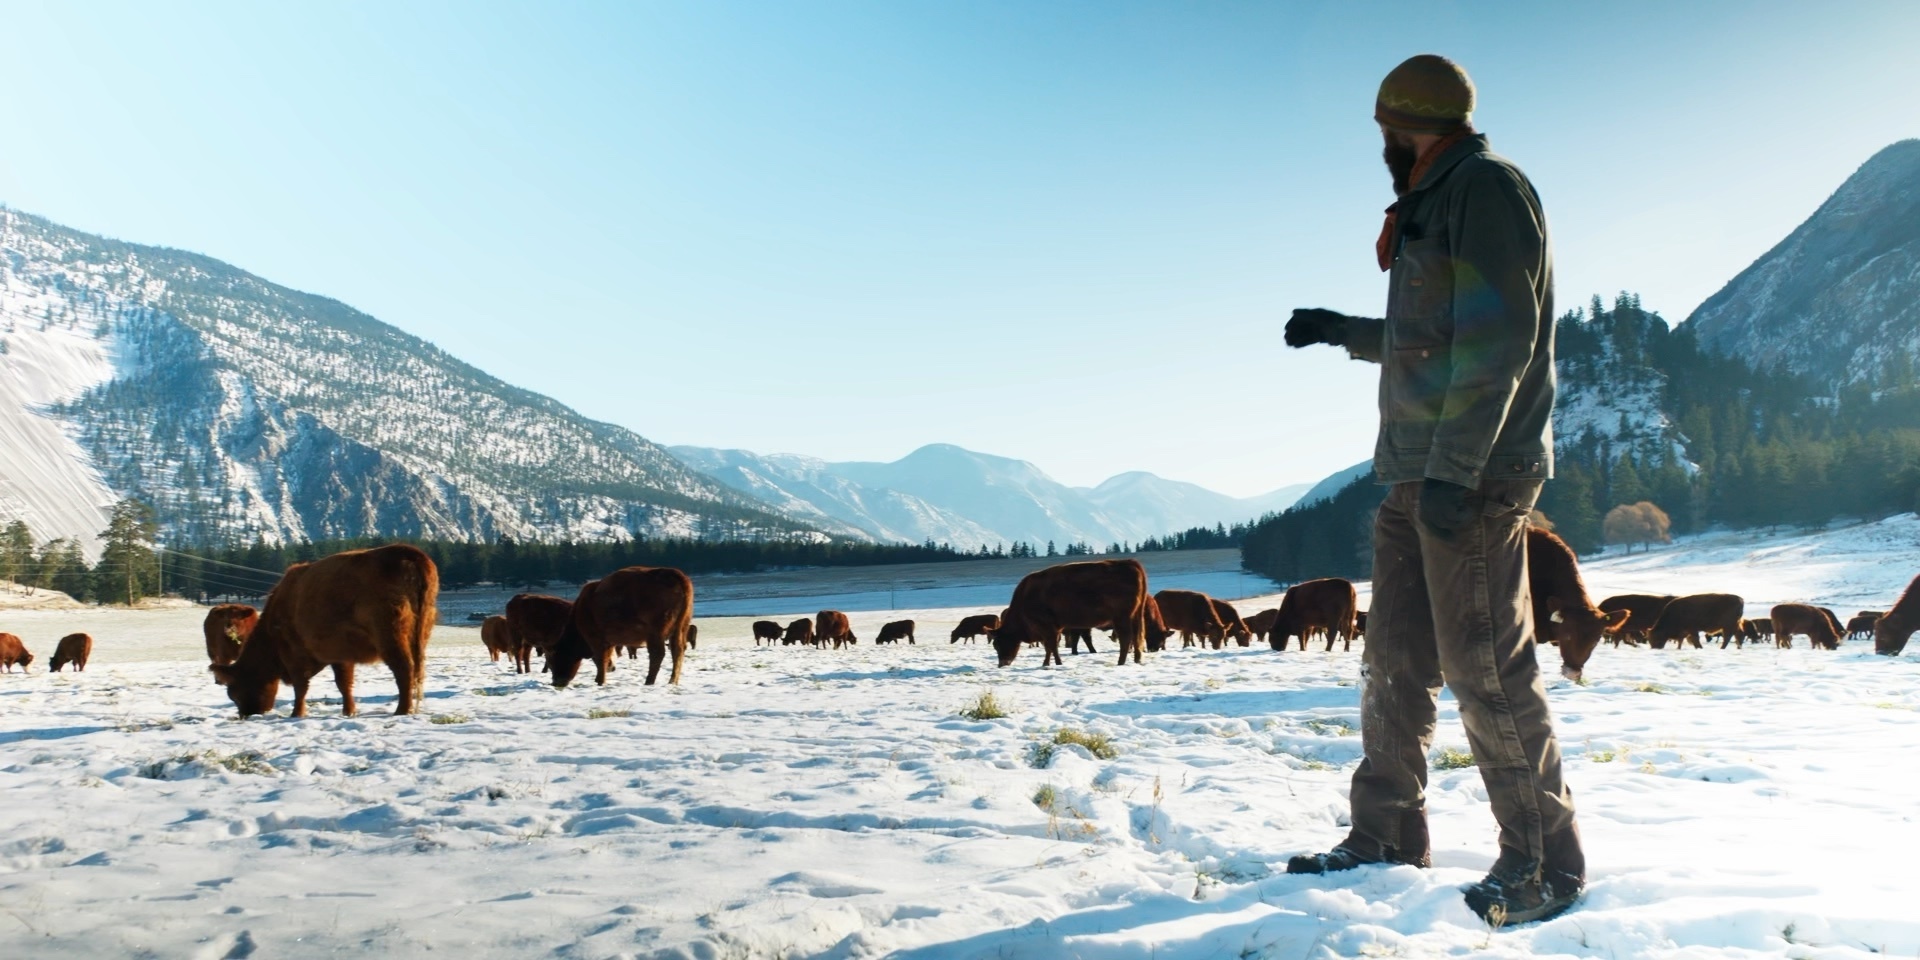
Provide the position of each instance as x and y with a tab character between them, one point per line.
1466	440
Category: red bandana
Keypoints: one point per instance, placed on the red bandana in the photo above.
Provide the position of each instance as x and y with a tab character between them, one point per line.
1383	247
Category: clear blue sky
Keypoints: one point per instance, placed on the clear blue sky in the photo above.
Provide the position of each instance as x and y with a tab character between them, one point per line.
1066	232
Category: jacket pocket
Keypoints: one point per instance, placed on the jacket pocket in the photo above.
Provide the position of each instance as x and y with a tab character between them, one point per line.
1417	379
1423	291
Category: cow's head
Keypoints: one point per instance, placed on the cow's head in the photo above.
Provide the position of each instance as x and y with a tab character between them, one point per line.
1578	630
25	661
1242	636
1008	638
567	654
1888	640
251	689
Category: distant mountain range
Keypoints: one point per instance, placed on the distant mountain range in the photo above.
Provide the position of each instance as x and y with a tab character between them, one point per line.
241	409
949	494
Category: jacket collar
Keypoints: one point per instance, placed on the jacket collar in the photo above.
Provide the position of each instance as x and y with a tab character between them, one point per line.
1468	146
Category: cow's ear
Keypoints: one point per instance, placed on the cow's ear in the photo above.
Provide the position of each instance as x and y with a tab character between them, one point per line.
1553	611
1613	621
221	674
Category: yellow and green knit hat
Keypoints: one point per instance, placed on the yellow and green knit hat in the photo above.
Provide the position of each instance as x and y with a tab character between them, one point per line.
1426	94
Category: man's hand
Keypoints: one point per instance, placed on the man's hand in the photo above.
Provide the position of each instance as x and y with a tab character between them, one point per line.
1314	325
1447	508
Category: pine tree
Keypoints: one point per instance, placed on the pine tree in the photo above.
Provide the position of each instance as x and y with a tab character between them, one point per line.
128	569
16	553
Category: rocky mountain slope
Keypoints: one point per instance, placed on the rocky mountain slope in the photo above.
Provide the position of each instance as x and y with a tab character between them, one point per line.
243	409
1839	298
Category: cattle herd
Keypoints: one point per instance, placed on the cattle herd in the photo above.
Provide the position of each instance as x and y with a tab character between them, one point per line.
378	605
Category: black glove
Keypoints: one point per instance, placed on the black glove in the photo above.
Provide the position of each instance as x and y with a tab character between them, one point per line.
1314	325
1447	508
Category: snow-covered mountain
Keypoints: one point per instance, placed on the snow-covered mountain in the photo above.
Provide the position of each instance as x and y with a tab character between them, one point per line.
946	493
1839	298
239	408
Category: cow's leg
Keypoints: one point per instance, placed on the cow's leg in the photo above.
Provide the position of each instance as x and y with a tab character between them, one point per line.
602	664
406	676
300	696
1051	642
679	650
343	678
656	654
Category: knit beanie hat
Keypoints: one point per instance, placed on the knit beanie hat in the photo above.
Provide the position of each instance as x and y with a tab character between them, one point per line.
1426	94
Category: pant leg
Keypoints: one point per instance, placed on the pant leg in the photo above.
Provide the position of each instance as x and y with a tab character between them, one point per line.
1399	687
1482	610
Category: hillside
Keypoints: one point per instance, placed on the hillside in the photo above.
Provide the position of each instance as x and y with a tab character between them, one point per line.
1838	300
243	409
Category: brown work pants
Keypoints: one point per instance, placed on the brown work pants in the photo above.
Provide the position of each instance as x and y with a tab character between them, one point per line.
1458	610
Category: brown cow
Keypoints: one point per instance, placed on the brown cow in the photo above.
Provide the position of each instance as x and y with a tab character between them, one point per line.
1792	618
1325	605
1861	626
498	638
1093	593
1561	609
226	628
360	606
536	622
1643	611
800	631
894	632
1892	631
832	626
1236	628
74	648
767	630
633	606
1191	613
1359	624
1261	623
13	651
1685	618
973	627
1760	630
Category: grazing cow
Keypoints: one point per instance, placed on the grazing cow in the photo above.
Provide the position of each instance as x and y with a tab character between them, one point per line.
1861	626
13	651
1359	624
651	606
767	630
832	626
1236	628
1686	618
975	626
895	632
1760	630
360	606
74	648
1261	624
1561	609
1892	631
536	622
800	631
226	628
1803	618
498	637
1643	611
1192	614
1092	593
1325	605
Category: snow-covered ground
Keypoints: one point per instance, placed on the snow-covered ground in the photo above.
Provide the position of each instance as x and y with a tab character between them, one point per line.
799	803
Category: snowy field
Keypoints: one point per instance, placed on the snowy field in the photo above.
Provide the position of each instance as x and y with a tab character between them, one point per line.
799	803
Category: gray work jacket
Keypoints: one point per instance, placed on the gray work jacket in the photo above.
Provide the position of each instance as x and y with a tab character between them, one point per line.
1467	383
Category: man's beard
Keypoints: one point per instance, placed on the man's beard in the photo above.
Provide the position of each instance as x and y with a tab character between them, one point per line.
1401	156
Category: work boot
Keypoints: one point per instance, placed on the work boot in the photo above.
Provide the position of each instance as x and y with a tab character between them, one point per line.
1359	851
1520	890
